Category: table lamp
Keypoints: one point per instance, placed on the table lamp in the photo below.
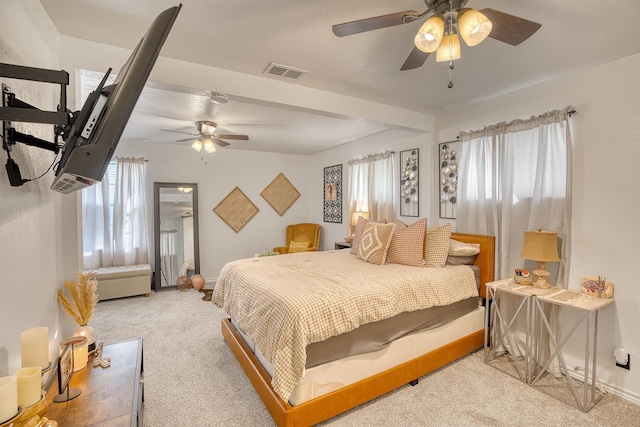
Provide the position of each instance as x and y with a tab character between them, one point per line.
542	247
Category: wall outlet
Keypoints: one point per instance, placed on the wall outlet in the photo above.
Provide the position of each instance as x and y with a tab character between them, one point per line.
625	366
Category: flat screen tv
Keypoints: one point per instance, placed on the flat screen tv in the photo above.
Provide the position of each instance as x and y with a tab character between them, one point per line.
97	128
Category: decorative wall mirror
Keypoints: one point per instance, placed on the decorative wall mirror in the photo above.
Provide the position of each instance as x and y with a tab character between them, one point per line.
175	233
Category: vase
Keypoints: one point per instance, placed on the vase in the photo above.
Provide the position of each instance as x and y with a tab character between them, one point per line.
197	280
86	331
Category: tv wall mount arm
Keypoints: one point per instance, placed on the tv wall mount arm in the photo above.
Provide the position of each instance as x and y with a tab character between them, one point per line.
15	110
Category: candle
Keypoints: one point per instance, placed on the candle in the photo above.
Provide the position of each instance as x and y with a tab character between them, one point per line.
29	385
35	347
8	398
80	352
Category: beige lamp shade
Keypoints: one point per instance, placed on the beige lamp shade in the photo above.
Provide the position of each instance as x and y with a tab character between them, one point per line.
430	34
356	214
209	146
473	26
197	145
539	245
449	49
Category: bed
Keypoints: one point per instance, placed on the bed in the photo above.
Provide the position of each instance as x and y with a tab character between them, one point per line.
304	392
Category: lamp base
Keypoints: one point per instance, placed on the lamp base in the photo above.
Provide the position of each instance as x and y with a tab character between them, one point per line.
542	273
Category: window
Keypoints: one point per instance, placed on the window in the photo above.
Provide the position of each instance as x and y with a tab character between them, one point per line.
371	187
114	228
514	177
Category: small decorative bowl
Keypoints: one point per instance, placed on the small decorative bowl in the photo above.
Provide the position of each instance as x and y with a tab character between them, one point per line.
348	239
522	277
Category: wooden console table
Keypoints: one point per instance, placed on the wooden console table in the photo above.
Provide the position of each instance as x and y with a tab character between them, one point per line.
110	396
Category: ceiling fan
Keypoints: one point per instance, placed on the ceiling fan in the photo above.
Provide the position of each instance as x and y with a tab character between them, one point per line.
439	33
206	137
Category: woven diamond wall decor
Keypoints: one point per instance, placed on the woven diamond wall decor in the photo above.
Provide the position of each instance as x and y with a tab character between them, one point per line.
333	194
236	210
280	194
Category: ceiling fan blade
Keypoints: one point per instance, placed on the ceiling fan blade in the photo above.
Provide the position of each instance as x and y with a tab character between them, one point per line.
368	24
220	142
186	139
178	131
416	59
238	137
508	28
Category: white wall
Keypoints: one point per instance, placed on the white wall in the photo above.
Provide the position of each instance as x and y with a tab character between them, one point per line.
392	140
606	200
31	235
216	176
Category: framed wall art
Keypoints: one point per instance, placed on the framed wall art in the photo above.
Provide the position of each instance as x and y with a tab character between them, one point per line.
236	209
332	194
448	156
410	183
280	194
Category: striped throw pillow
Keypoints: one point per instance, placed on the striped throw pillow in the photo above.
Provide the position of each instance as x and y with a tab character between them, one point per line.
437	245
407	244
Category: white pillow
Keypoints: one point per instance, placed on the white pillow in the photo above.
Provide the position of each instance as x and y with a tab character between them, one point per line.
463	249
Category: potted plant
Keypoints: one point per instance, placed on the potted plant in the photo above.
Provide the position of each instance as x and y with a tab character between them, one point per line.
82	304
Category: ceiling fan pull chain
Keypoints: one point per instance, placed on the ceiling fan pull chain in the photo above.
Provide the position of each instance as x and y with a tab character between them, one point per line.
450	85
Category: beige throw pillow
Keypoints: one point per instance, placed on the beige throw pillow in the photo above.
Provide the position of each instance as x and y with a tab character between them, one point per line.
360	225
375	242
407	244
437	246
458	248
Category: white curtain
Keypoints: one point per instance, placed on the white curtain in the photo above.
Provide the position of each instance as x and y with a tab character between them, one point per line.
96	226
371	186
168	257
513	177
129	213
517	176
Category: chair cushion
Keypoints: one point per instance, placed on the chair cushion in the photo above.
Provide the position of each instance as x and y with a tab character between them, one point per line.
106	273
299	246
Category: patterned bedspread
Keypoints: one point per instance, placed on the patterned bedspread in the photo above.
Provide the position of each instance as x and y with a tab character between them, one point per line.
283	303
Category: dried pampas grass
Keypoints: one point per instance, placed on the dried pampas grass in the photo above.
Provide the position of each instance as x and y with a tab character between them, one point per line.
84	297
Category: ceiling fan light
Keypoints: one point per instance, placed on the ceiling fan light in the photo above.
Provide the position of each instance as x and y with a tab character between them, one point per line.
449	49
473	26
430	34
209	146
197	145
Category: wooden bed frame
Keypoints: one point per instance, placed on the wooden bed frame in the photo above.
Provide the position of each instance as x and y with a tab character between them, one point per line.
348	397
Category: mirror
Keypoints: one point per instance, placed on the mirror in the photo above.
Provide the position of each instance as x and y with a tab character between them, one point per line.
175	233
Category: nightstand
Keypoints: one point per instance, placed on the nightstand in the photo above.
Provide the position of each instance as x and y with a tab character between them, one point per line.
522	310
511	305
341	245
582	387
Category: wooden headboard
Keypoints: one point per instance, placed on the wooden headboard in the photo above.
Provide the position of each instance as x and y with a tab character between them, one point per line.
485	259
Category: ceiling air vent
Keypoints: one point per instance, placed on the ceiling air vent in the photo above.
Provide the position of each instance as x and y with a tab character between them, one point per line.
284	71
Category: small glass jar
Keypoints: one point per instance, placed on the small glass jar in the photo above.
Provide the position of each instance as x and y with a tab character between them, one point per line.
80	351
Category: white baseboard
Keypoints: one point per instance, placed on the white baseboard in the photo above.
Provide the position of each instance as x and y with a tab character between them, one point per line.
610	389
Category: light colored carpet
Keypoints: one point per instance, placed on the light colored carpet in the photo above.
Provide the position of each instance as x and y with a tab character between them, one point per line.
193	379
